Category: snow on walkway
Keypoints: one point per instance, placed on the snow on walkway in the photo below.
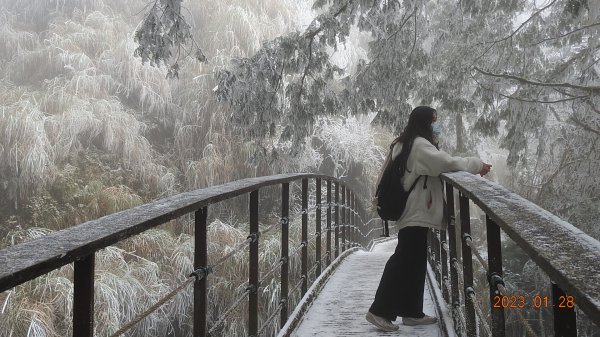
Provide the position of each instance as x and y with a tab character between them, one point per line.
340	308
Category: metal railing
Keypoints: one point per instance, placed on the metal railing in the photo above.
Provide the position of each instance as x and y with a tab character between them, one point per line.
569	257
78	245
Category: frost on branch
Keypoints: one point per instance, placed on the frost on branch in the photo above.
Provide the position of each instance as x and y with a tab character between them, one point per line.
163	29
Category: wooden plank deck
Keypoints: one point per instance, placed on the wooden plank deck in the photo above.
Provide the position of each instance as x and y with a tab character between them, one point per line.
340	307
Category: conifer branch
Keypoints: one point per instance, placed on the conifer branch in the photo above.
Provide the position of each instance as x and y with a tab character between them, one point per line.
525	23
593	89
311	34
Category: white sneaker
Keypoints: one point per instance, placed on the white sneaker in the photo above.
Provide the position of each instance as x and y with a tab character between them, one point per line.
419	321
381	323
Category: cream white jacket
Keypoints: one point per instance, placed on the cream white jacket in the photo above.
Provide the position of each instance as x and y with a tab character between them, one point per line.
425	204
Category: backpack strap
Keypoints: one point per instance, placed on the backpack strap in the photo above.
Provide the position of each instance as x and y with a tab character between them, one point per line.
395	162
415	184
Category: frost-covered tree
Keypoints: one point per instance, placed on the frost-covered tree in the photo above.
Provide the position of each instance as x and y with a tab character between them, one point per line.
525	72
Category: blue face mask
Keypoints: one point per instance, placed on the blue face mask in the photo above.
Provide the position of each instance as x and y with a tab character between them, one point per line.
436	128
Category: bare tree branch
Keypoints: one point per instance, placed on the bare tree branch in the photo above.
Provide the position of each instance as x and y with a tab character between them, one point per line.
544	102
592	105
306	68
519	28
279	78
563	92
521	99
593	88
583	125
414	38
567	34
588	67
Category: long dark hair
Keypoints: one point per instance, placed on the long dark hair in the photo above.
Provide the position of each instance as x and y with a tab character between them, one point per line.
419	125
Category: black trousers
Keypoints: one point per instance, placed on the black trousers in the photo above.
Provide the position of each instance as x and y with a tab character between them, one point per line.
400	291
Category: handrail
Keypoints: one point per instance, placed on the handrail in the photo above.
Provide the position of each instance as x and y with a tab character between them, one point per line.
569	257
78	244
37	257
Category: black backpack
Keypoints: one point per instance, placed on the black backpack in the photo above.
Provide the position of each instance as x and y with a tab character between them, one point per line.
390	194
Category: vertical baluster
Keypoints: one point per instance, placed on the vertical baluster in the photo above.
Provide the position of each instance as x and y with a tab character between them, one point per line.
318	226
343	218
495	274
465	226
349	231
565	320
328	222
83	297
285	214
360	222
438	260
253	268
200	261
386	228
350	234
444	262
336	249
304	236
357	218
455	302
433	252
353	219
430	248
348	219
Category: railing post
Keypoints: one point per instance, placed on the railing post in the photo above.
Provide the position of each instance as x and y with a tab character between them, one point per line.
304	257
328	222
83	297
253	269
430	249
353	218
352	228
344	209
348	219
285	214
200	261
444	262
355	231
565	320
455	301
386	228
358	221
495	270
465	225
350	231
437	253
337	221
318	226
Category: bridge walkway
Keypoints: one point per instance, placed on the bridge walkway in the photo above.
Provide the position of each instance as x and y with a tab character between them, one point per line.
340	307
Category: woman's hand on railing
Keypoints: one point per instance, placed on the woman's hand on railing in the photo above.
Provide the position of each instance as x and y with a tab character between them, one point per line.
485	169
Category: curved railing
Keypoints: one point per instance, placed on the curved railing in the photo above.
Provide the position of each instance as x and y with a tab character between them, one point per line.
569	257
344	228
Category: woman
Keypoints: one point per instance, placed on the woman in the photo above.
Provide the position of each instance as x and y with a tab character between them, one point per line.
400	291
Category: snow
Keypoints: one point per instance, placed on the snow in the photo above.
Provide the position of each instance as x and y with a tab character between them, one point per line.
340	308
